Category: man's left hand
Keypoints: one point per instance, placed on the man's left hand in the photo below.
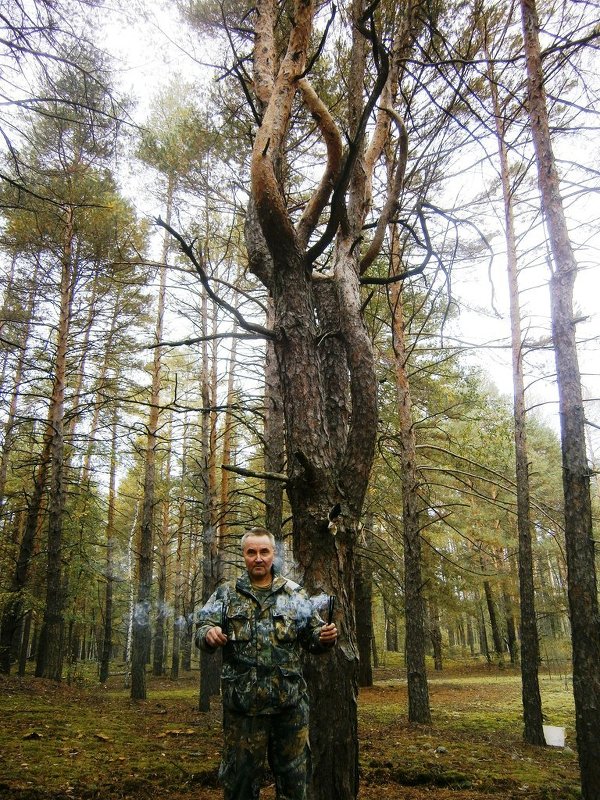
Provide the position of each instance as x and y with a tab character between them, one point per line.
328	634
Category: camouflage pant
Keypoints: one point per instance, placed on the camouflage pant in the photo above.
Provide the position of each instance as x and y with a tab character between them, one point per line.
282	737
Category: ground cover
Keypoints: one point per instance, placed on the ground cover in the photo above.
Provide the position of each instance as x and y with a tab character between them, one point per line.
91	742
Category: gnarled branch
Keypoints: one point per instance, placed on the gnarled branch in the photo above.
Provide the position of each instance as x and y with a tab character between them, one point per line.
393	193
333	140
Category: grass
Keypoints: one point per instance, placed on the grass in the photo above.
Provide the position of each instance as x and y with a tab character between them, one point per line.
90	741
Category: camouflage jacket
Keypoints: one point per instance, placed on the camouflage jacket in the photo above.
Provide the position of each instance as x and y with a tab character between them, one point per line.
262	670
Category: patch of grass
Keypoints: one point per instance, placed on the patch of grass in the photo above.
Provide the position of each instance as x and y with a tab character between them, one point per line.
475	740
89	742
68	740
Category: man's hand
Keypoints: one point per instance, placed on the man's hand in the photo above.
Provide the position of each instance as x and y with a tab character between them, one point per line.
328	634
215	637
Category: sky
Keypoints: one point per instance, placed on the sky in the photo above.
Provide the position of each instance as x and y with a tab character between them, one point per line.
149	48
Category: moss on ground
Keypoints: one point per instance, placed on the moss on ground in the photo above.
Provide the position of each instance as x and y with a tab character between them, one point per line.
90	742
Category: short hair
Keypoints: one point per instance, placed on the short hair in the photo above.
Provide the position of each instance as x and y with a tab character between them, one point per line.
258	531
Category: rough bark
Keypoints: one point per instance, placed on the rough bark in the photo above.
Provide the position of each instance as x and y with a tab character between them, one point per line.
582	582
325	363
414	602
363	583
209	666
51	642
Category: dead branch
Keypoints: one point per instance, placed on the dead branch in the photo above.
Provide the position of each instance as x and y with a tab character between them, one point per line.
249	473
188	251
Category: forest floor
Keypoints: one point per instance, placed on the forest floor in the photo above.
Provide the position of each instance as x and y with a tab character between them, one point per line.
91	742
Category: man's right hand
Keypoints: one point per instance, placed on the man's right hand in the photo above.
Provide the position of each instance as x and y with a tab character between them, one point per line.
215	637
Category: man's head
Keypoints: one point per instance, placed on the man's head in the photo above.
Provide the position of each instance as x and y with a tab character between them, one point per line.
258	549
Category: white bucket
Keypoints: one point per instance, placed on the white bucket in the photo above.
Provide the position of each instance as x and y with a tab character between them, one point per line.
554	736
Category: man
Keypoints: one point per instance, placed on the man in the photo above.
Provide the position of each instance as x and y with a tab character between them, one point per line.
261	623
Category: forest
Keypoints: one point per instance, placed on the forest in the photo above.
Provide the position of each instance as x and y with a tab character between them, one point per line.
331	269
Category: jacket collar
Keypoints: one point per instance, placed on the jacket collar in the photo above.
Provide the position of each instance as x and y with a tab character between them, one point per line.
243	584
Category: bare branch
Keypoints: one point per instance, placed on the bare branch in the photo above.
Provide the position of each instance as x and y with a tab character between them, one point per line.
188	251
249	473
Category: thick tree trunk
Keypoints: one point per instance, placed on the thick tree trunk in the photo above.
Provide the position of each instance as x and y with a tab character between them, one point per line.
582	584
329	448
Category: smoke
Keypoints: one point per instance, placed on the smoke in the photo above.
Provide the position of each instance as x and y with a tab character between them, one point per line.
144	613
304	606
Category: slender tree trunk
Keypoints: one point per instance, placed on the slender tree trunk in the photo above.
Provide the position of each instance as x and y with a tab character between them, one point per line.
414	602
141	631
483	638
179	626
494	623
363	583
209	665
107	641
10	428
14	607
530	656
161	634
51	643
228	443
435	634
582	583
392	643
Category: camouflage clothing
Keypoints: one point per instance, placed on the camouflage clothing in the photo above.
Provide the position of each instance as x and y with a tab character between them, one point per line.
247	737
265	704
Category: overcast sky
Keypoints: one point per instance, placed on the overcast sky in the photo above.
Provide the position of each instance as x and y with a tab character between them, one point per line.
150	49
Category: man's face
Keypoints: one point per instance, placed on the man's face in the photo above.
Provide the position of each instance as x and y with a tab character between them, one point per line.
258	555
